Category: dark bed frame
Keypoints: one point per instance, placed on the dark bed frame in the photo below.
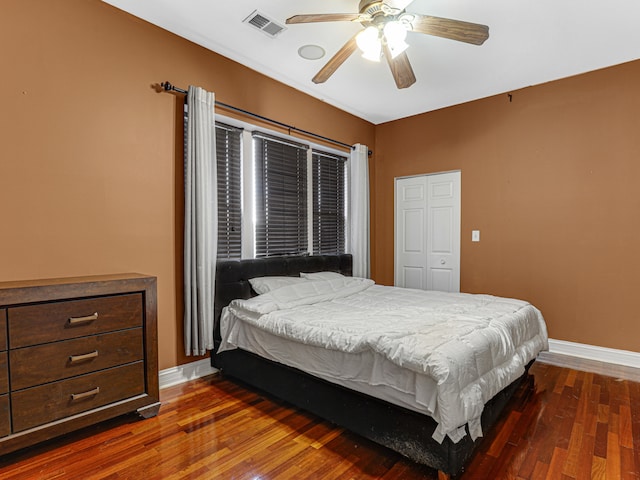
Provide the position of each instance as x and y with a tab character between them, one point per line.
402	430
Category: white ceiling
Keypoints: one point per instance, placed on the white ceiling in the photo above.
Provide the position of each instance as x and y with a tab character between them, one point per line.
530	42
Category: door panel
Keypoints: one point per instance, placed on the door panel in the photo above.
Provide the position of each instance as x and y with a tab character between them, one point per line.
440	230
414	226
413	277
440	279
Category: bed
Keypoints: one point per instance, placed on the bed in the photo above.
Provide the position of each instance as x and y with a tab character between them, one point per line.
405	403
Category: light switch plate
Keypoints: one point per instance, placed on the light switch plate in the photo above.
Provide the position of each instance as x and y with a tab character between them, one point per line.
475	235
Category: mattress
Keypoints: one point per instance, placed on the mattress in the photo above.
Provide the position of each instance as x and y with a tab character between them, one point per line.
443	354
365	372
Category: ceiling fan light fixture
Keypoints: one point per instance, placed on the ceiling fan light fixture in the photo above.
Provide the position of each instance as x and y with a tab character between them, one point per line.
369	43
395	31
396	48
395	34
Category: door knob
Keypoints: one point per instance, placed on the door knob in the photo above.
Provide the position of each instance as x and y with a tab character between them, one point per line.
442	261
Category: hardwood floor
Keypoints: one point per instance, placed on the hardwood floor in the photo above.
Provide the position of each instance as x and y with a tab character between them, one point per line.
565	424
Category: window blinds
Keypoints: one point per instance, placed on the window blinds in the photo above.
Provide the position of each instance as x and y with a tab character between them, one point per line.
329	212
281	196
229	154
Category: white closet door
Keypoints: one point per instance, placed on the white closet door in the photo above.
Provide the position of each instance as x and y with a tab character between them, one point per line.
427	232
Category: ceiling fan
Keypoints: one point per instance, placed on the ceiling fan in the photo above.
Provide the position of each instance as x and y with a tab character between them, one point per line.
386	25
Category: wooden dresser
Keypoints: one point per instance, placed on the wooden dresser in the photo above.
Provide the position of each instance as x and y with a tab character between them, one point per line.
73	352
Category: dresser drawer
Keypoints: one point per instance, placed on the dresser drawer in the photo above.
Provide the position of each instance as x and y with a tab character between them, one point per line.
46	403
4	373
5	419
3	329
74	357
50	322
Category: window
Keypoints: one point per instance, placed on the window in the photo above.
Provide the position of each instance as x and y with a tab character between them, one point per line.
281	196
278	195
329	213
229	154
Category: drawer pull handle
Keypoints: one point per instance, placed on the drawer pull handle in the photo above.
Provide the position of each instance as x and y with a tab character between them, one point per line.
85	356
80	396
88	318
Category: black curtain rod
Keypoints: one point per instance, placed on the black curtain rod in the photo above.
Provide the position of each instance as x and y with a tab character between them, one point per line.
168	87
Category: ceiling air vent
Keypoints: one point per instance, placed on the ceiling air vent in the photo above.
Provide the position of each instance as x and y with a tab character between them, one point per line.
264	24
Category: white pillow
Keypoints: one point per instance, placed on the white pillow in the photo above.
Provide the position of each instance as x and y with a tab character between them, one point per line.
267	284
322	275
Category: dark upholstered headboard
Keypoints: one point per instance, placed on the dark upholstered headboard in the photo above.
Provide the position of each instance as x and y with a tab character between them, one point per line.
232	276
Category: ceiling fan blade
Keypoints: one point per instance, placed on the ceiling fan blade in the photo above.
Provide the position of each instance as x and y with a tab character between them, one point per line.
473	33
338	59
323	17
400	69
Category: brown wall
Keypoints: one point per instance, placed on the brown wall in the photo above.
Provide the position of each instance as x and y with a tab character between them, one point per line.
91	166
551	179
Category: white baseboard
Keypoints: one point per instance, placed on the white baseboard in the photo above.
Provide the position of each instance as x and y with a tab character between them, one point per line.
183	373
561	353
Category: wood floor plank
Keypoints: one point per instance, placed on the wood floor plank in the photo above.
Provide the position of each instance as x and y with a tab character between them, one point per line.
557	463
571	378
585	458
558	387
571	463
540	471
529	463
600	449
592	413
627	464
613	456
626	430
599	469
503	434
566	424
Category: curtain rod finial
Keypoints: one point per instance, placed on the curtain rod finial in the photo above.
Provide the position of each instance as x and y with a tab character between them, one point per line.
166	85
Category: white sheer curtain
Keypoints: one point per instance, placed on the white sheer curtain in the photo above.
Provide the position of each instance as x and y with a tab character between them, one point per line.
359	201
200	221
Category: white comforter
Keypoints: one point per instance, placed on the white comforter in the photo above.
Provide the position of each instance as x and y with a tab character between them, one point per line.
471	345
